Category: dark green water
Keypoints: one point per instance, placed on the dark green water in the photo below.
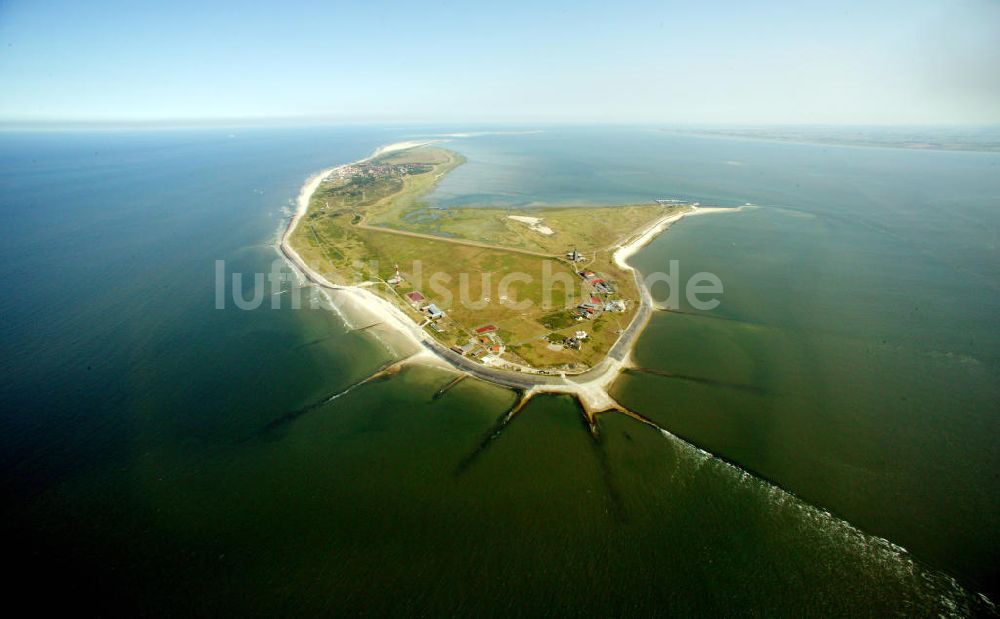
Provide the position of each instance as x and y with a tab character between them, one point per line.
888	417
848	363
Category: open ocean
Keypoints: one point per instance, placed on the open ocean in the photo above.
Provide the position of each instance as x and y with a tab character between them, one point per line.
833	424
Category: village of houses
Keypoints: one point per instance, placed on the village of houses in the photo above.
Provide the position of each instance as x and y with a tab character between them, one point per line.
356	171
484	341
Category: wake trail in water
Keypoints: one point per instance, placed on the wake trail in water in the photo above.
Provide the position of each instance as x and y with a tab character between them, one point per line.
667	310
319	340
700	379
616	503
494	433
290	416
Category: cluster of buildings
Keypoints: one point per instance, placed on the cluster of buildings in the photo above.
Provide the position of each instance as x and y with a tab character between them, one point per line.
380	170
490	339
486	341
416	299
485	344
615	305
575	340
594	305
599	285
589	308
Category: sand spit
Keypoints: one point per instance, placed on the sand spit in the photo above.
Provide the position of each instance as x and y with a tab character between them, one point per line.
629	249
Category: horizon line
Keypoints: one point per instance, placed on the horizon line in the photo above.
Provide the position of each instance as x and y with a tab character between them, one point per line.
25	124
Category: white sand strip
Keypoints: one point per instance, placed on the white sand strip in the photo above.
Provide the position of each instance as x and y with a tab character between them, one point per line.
626	251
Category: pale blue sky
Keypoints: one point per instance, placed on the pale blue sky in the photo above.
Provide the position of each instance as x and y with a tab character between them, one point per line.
917	61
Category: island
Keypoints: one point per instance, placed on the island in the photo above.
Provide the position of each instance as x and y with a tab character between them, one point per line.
539	299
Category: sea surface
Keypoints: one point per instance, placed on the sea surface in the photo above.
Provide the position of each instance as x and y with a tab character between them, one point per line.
830	430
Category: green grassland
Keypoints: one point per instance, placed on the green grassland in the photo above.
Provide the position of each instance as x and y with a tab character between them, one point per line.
362	224
586	228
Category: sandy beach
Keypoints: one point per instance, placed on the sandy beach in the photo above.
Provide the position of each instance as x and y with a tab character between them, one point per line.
390	148
626	251
371	302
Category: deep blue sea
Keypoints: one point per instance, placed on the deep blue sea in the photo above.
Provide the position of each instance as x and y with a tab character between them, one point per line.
832	444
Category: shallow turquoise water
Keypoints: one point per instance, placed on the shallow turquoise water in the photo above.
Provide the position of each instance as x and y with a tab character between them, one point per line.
856	367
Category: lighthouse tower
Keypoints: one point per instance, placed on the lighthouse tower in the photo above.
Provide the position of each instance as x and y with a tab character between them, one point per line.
396	279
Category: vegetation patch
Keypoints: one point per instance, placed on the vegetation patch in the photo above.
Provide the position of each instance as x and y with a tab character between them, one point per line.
367	223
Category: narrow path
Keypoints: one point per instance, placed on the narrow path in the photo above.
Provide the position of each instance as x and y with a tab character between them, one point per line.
456	241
